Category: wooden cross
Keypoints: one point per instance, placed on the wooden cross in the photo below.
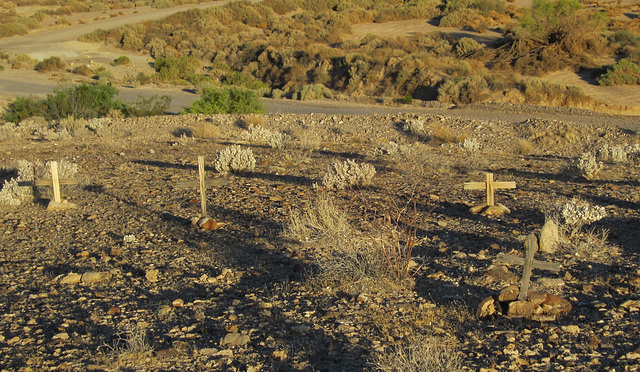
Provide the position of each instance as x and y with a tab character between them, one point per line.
490	186
529	264
202	183
56	181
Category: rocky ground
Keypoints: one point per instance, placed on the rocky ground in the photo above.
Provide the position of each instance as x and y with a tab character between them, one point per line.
154	293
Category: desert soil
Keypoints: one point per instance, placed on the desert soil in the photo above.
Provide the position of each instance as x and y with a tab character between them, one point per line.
243	297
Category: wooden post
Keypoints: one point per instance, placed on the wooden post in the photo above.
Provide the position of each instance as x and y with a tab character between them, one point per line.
202	184
56	181
490	186
528	264
531	244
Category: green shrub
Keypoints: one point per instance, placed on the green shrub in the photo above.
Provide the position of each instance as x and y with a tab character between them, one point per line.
13	28
176	69
121	61
84	101
22	108
226	100
623	72
143	78
50	64
152	106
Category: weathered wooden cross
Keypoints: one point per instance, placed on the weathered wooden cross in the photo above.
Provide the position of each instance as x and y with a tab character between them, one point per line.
529	264
202	183
490	186
56	182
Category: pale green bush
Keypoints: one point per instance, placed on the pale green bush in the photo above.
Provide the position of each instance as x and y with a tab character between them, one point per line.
235	159
348	174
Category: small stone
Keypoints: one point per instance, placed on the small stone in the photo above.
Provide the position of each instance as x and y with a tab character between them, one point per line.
509	294
549	237
225	353
152	275
572	329
524	309
536	297
280	354
231	329
167	353
113	310
71	278
633	356
92	277
178	303
235	339
555	305
486	308
208	351
61	336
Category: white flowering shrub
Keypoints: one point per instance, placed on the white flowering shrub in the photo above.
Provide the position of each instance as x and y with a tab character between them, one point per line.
470	144
12	194
587	165
347	174
235	159
578	213
619	153
261	135
279	140
415	126
257	134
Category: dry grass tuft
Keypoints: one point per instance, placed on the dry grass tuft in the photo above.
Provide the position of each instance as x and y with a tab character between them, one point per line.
524	147
419	353
318	219
205	129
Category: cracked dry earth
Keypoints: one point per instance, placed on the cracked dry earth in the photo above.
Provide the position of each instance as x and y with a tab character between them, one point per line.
243	297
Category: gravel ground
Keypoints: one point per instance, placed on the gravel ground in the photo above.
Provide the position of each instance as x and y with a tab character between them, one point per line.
154	293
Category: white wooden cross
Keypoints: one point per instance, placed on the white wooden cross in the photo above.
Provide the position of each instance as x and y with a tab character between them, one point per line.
202	183
490	186
56	181
529	264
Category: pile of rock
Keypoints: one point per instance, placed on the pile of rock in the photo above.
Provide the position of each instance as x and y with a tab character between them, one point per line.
538	306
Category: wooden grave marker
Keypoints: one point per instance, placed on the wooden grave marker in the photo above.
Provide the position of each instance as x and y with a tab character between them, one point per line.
202	184
56	182
490	186
529	264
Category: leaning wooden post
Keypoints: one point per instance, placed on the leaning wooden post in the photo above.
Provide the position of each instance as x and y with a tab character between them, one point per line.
531	244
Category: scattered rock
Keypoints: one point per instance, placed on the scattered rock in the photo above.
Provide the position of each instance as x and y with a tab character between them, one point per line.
208	351
550	282
61	336
235	339
522	309
178	303
92	277
555	305
152	275
71	278
509	294
486	308
490	210
572	329
549	237
501	273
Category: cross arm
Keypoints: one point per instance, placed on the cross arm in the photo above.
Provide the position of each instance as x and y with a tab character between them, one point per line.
513	260
62	182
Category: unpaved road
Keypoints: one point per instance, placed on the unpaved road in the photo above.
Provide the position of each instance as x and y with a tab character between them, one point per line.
63	42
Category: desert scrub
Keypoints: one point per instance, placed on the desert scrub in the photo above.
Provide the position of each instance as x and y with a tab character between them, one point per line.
228	100
235	159
470	144
587	165
623	72
313	91
619	153
317	219
348	174
414	126
418	353
577	213
121	61
50	64
464	90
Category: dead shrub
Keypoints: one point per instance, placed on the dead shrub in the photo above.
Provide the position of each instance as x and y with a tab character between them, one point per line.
524	147
464	90
418	353
205	129
50	64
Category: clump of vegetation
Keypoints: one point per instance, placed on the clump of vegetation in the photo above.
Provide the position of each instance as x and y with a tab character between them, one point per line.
587	165
22	108
83	101
348	174
464	90
82	70
121	61
623	72
226	100
176	69
50	64
152	106
235	159
420	353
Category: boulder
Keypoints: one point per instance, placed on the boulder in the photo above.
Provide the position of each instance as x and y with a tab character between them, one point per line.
549	237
